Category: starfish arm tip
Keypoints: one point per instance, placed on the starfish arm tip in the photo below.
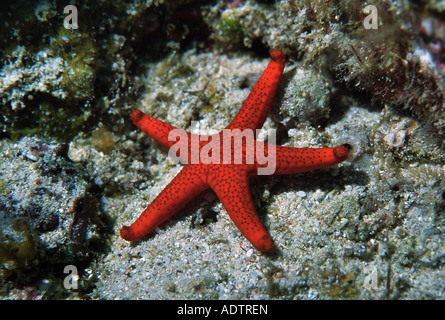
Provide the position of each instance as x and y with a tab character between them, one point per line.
136	115
265	244
341	153
276	55
127	233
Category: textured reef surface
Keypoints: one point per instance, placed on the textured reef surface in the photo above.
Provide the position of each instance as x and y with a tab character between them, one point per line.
74	168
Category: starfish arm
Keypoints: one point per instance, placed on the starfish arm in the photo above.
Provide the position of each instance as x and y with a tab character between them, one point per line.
189	182
231	187
294	160
255	108
155	128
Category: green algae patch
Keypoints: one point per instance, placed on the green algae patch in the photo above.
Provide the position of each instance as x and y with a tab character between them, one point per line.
229	27
79	52
344	287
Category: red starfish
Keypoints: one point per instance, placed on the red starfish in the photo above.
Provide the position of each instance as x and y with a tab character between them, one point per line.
229	180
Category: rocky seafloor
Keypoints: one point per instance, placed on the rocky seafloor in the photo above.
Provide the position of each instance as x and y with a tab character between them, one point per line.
74	169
